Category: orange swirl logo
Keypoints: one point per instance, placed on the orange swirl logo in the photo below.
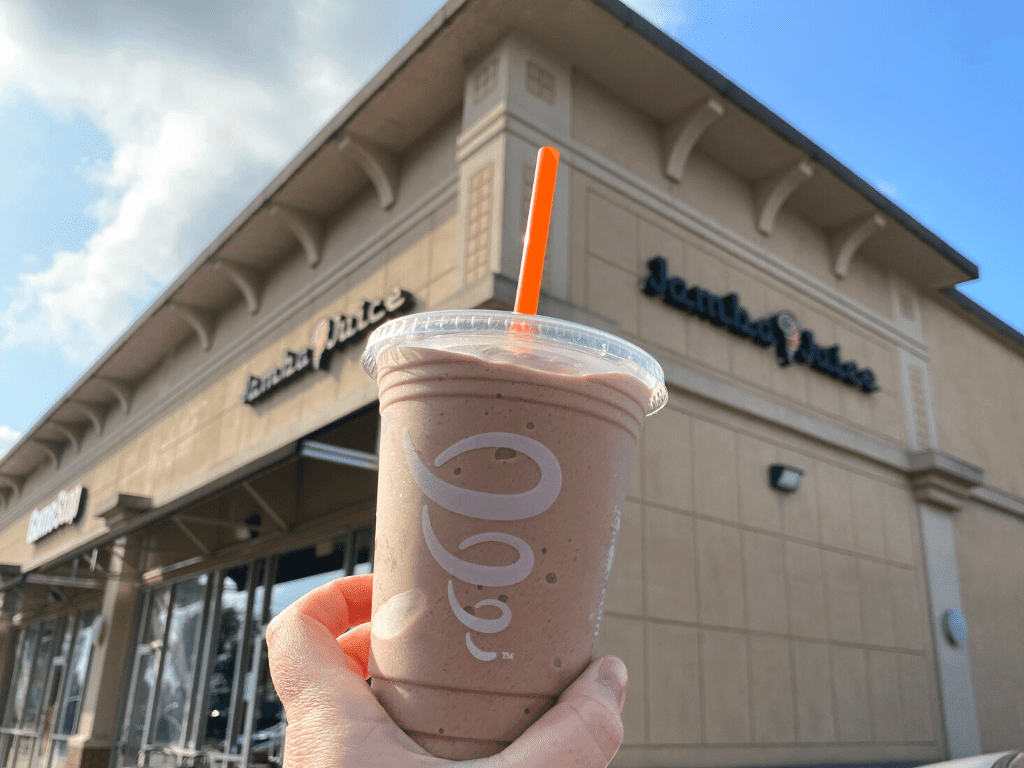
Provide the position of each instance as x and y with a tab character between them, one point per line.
790	328
318	339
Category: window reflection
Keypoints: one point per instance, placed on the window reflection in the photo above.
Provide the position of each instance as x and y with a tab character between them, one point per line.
145	670
23	752
200	679
181	652
34	697
78	670
144	675
157	618
227	656
297	573
59	755
21	677
49	675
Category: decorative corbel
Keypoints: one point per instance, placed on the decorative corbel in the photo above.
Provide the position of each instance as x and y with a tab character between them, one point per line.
200	320
771	193
94	414
679	137
848	239
15	483
119	389
379	165
308	230
247	280
46	448
65	429
121	508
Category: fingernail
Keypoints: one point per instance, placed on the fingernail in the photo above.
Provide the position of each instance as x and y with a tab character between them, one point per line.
612	676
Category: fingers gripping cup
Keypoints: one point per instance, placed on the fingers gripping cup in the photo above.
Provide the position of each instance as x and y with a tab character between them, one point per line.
505	451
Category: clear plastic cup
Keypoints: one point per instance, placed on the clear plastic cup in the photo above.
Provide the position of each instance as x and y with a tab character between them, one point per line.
505	452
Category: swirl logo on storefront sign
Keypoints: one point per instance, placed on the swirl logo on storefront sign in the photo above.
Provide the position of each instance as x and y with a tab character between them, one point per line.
485	506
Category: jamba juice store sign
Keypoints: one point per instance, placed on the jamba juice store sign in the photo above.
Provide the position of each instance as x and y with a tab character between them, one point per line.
328	334
782	331
63	510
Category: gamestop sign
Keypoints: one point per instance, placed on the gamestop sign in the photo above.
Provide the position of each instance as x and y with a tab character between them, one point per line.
61	511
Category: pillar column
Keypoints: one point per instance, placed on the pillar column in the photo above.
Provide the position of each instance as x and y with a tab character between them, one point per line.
941	485
8	632
517	99
92	746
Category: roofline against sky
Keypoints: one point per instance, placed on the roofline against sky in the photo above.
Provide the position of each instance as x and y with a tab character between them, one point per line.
421	39
630	19
969	305
326	134
759	111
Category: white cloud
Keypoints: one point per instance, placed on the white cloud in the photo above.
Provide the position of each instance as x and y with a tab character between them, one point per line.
202	103
887	188
672	16
8	437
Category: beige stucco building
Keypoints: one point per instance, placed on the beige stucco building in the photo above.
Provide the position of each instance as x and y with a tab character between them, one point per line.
875	615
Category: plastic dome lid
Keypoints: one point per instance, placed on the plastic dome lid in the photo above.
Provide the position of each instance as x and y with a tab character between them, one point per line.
479	332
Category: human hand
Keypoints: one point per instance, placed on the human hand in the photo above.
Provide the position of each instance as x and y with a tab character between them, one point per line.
335	721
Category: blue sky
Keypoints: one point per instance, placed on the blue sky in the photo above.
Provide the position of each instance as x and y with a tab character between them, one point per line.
131	134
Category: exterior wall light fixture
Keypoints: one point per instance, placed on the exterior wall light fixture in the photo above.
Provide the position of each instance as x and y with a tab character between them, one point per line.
954	626
785	478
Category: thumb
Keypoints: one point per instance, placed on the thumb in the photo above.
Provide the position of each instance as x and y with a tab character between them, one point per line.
583	729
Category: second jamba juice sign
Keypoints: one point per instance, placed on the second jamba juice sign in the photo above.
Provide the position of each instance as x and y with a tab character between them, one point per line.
328	335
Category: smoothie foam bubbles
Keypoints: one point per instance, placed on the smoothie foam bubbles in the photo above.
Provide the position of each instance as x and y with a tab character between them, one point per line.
506	446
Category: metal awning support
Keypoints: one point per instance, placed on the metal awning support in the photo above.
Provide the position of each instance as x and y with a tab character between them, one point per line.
265	507
10	577
217	523
313	449
77	582
191	536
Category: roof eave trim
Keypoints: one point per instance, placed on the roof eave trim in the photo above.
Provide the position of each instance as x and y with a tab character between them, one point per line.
972	307
759	111
326	135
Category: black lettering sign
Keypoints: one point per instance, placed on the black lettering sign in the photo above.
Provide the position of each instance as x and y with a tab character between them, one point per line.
328	335
779	331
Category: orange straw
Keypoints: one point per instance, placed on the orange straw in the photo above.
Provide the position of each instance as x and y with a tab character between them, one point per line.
532	268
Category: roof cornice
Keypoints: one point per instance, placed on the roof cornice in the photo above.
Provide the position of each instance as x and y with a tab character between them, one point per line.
715	79
325	136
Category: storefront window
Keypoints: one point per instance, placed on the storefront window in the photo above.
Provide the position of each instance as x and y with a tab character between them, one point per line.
59	755
51	670
37	678
135	724
221	712
78	670
20	688
181	653
203	639
297	573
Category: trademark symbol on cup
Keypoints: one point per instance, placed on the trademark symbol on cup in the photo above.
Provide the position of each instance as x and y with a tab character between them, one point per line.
506	655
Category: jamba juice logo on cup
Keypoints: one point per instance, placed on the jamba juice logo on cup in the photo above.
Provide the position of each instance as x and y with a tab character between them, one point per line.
485	506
